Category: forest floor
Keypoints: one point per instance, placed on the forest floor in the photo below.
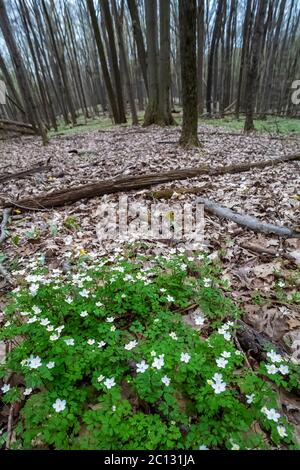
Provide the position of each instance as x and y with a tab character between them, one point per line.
265	285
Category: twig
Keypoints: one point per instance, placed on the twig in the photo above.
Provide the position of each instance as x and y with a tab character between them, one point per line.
9	427
268	251
245	354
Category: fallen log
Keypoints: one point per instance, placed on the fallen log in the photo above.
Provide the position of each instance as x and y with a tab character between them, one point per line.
247	221
170	192
15	126
268	251
22	174
129	183
256	343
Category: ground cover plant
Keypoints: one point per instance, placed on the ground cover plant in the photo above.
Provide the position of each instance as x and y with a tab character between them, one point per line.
137	352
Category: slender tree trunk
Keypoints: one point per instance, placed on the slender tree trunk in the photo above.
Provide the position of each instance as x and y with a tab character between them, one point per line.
165	117
21	74
151	113
213	54
200	37
114	59
106	76
187	20
128	80
252	72
139	40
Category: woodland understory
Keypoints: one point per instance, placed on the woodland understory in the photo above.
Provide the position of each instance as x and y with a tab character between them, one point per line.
255	264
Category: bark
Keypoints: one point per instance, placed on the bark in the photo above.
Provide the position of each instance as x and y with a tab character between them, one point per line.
244	55
60	60
70	195
252	72
106	76
165	117
252	223
151	113
187	20
22	174
21	74
139	40
128	80
114	59
200	40
213	55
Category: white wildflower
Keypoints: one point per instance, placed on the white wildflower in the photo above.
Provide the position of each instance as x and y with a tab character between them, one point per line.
54	337
173	335
250	398
158	362
5	388
271	414
110	319
130	345
59	405
141	367
109	383
165	380
33	288
34	362
271	369
274	357
219	387
226	354
221	362
69	342
283	369
281	431
185	357
84	293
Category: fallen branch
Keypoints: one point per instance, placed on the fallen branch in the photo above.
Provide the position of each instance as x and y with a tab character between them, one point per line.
267	251
255	343
71	195
170	192
247	221
3	234
14	126
22	174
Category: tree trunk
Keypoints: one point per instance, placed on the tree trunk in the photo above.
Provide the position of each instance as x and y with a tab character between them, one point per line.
139	40
114	59
106	76
165	117
151	113
187	19
21	74
252	72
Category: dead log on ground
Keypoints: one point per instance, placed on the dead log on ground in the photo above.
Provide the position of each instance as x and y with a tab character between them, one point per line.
247	221
268	251
22	174
15	126
255	343
129	183
170	192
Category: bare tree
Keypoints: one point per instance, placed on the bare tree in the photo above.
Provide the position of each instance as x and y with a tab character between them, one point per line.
187	20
